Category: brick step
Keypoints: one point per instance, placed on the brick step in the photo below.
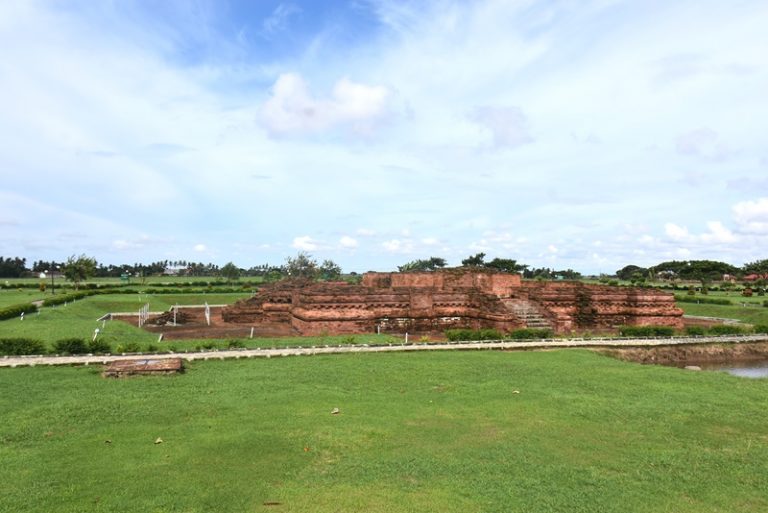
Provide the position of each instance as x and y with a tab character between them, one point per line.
528	312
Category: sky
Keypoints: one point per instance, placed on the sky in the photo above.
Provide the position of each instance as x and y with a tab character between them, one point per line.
568	134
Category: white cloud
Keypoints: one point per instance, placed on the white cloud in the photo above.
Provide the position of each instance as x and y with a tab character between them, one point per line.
278	20
304	243
200	248
348	242
398	246
676	232
552	248
293	110
430	241
365	232
508	125
703	142
717	234
752	216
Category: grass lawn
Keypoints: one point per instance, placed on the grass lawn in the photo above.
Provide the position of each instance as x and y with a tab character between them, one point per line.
751	314
78	319
443	432
10	297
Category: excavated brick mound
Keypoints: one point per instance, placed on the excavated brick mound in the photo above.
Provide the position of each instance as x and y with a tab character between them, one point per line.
181	317
459	298
195	326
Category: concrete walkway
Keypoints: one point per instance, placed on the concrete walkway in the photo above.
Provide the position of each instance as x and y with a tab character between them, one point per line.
16	361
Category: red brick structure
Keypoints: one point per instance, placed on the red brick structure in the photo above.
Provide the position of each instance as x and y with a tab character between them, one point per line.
435	301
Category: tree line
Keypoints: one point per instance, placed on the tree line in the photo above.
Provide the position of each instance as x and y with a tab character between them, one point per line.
705	271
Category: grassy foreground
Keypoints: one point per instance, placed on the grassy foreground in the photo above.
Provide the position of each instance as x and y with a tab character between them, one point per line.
560	431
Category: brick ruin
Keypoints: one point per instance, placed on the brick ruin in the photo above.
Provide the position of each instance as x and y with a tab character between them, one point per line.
428	302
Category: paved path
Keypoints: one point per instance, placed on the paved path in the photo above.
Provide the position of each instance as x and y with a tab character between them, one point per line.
15	361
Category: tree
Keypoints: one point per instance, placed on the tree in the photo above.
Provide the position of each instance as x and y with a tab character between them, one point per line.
756	267
506	265
477	260
230	271
12	267
78	269
627	273
431	264
301	266
329	270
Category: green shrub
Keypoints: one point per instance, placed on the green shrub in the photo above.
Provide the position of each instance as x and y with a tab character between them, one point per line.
13	311
460	334
99	346
765	303
20	346
761	328
726	329
530	334
489	334
70	346
703	300
695	331
128	347
151	348
235	344
647	331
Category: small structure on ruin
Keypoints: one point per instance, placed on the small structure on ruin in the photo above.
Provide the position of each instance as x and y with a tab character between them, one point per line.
424	302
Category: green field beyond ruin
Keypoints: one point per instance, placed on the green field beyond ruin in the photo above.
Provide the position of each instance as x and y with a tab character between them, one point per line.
567	431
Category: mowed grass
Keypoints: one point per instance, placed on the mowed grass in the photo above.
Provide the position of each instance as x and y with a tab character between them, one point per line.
559	431
79	319
751	314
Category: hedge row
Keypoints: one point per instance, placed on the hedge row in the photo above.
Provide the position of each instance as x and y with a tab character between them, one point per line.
647	331
463	334
703	300
20	346
207	290
68	298
9	312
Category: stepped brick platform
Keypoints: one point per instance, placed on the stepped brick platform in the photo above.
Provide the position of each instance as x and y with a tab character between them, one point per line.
429	302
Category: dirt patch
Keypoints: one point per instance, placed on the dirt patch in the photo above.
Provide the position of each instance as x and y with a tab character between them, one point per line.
692	354
194	326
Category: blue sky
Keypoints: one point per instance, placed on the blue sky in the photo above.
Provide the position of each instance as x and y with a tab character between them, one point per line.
589	134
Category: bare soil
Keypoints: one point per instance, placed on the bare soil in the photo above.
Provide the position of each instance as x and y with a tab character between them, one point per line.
191	324
692	354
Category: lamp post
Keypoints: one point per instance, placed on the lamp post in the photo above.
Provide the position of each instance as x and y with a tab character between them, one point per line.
53	283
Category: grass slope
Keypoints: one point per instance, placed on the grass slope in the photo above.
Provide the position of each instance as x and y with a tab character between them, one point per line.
78	319
417	432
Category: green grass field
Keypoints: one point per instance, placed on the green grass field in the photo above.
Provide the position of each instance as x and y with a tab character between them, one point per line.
444	432
79	319
752	313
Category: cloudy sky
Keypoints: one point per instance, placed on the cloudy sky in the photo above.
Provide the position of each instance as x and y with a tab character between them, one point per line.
585	134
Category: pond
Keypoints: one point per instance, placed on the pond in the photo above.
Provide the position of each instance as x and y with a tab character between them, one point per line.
743	369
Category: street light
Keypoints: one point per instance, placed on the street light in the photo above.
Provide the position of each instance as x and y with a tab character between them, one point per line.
53	284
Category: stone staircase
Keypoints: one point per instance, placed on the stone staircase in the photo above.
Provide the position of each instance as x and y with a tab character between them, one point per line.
528	312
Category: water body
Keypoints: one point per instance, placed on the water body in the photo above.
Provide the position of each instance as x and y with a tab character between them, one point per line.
748	369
